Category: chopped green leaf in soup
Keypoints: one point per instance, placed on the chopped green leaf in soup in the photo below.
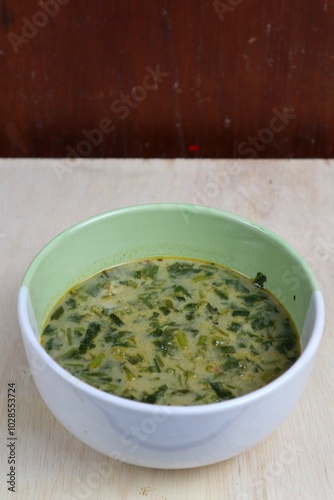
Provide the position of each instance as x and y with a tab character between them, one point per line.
172	331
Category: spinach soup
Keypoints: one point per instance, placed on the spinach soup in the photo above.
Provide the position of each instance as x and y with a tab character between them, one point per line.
172	331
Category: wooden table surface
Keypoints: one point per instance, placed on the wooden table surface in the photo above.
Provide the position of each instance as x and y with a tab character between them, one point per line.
40	198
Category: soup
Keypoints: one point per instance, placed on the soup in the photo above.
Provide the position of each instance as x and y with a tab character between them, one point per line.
172	331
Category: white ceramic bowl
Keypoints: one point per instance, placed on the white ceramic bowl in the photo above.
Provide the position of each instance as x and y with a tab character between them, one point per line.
168	436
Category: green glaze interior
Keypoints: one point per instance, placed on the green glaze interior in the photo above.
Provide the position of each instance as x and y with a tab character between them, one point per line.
168	229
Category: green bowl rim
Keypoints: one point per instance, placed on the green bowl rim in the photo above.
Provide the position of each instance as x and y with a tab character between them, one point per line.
181	207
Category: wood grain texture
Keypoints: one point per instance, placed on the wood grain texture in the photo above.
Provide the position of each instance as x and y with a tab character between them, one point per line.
230	68
40	198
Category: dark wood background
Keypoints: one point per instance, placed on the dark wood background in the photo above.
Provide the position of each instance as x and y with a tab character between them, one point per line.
238	78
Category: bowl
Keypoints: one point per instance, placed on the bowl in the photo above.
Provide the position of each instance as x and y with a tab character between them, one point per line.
168	437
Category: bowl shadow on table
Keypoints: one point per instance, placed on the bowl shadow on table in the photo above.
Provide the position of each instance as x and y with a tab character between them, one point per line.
99	473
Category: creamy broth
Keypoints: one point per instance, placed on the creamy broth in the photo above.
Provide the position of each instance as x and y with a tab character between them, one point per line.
172	331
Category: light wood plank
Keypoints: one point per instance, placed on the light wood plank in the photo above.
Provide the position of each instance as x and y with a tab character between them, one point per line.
38	200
